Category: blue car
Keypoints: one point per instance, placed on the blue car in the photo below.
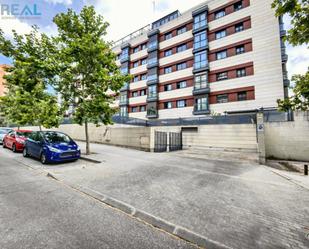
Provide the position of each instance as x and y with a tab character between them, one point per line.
51	146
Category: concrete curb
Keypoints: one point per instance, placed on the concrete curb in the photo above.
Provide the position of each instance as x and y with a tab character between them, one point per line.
89	160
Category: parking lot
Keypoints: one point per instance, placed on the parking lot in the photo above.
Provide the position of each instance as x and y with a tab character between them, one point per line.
240	205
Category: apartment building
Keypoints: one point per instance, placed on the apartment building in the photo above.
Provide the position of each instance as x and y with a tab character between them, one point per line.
220	56
2	73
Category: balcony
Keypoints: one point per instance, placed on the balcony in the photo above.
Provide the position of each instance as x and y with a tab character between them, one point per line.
201	110
198	27
124	58
200	67
200	46
152	113
152	47
152	79
152	63
201	90
125	87
152	97
123	101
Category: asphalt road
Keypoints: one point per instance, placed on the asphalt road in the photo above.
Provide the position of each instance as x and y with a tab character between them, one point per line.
38	212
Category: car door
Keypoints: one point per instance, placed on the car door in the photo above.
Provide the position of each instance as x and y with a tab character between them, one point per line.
37	145
10	139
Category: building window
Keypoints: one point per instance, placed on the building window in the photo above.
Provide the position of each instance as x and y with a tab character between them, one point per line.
136	78
168	70
168	52
135	64
241	96
168	105
181	84
144	76
135	109
168	36
142	108
241	72
200	21
200	40
143	92
200	81
135	94
144	61
201	104
200	60
152	60
181	48
168	87
152	91
144	46
221	55
123	111
124	70
219	14
220	34
135	50
221	76
181	30
240	49
181	103
181	66
152	44
222	98
238	6
239	27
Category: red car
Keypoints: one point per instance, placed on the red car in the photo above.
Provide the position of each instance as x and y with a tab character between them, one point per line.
15	140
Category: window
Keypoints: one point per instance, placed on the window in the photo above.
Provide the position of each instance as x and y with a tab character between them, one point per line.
240	49
200	40
241	72
239	27
142	108
181	103
168	105
152	91
135	64
181	66
200	60
135	79
200	21
241	96
168	87
238	6
123	111
201	104
135	94
168	52
222	98
168	36
181	84
144	46
144	76
220	34
135	109
152	60
181	48
143	92
144	61
221	55
200	81
219	14
221	76
124	70
181	30
124	53
168	70
135	50
152	44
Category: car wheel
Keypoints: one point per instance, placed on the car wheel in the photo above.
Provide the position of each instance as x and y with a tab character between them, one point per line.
25	153
43	158
14	148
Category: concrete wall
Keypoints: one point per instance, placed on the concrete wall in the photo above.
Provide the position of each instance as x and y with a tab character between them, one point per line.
288	140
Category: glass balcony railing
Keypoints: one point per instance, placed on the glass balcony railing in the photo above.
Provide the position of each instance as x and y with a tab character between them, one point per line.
200	24
201	64
200	44
152	77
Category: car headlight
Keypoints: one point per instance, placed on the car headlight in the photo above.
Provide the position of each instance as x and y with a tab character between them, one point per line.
78	148
52	149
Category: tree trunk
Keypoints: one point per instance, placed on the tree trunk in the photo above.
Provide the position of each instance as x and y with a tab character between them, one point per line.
87	139
40	127
18	127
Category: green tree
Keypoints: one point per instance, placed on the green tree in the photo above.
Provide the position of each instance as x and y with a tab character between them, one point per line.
27	101
298	10
88	68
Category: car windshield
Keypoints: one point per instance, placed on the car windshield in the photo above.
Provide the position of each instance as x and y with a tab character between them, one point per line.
56	137
23	133
4	131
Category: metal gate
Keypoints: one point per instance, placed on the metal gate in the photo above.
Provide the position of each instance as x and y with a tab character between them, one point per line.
175	141
160	141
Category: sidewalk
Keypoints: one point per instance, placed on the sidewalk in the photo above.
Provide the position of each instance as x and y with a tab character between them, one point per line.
232	204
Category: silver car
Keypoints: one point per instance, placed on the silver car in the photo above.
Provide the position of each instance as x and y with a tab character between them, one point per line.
3	132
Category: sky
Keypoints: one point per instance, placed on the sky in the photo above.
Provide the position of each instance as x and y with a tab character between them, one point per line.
124	17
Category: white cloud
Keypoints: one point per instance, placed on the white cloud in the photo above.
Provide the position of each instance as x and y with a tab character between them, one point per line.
65	2
7	25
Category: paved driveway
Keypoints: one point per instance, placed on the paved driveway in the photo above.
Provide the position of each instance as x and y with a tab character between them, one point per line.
240	205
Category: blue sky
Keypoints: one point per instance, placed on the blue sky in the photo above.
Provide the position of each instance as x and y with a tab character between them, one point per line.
124	16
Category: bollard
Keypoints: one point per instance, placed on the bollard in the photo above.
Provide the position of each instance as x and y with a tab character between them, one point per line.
305	169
